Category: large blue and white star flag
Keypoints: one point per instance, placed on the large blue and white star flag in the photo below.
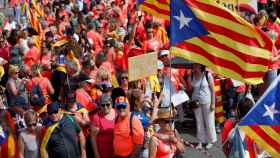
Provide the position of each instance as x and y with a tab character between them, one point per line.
262	123
184	24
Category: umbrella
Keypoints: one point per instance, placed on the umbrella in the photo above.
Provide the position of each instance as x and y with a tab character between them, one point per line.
178	62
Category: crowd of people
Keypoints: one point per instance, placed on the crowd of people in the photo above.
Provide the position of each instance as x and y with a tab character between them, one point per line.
65	91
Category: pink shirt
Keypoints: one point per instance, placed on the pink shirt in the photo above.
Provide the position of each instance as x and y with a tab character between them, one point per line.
105	135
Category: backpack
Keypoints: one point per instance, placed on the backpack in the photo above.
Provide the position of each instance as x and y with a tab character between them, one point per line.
36	97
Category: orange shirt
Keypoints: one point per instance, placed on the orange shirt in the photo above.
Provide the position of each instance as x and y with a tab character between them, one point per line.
97	40
32	56
124	142
85	99
44	85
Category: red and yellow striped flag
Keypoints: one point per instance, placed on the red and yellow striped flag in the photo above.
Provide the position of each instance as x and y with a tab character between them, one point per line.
159	8
219	111
37	9
231	46
62	41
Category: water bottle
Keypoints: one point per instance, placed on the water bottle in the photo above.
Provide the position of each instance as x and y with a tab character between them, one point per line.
61	59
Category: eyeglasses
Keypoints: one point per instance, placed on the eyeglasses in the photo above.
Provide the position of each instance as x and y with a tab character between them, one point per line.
124	78
32	125
119	107
107	105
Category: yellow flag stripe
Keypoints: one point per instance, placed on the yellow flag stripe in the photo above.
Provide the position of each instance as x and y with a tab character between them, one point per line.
251	133
220	119
217	88
238	18
11	146
216	68
245	49
222	22
219	109
163	6
46	139
223	54
154	13
272	133
219	98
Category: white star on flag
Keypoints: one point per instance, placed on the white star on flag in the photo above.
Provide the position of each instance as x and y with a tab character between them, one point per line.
270	111
184	21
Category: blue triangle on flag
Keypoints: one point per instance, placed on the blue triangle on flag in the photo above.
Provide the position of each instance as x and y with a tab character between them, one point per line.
140	1
267	109
184	24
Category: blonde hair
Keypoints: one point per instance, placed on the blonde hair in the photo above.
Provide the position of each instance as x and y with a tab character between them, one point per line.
102	74
30	115
13	69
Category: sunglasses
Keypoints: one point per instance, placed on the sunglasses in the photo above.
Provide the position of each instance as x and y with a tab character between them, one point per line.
107	105
119	107
160	57
168	121
32	125
124	78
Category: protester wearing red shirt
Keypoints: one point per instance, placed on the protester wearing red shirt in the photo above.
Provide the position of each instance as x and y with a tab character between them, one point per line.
102	128
95	38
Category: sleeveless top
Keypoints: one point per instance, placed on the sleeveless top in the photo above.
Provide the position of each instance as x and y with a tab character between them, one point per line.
31	145
21	89
201	90
165	150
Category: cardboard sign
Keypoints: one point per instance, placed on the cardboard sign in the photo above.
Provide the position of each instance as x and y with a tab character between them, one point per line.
142	66
233	4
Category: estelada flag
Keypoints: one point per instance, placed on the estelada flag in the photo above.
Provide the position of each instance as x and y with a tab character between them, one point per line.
205	32
262	123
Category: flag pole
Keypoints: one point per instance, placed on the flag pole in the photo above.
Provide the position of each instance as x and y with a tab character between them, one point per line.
238	6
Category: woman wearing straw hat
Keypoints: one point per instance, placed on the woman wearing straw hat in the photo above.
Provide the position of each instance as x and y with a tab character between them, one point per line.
166	142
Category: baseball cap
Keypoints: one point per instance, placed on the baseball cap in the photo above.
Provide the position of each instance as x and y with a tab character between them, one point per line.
163	52
121	101
85	78
106	99
53	108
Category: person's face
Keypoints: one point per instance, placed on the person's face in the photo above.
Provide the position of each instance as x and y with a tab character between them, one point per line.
15	75
106	108
124	80
31	126
121	110
165	124
86	86
87	70
196	67
140	100
164	59
150	33
54	116
44	49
